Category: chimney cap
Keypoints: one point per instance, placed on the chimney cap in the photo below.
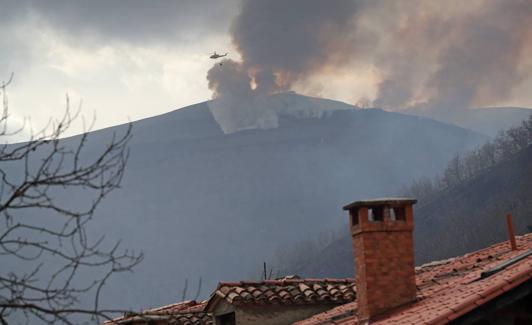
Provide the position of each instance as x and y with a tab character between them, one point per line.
380	202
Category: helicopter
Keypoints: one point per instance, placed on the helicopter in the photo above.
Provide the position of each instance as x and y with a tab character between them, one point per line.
217	56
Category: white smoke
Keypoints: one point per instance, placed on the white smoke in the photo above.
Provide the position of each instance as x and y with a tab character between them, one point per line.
261	111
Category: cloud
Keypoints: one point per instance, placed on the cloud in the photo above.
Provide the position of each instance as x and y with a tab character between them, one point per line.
135	21
124	60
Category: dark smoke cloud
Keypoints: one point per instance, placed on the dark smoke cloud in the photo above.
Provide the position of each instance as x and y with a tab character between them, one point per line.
286	40
283	41
467	58
236	80
436	55
483	58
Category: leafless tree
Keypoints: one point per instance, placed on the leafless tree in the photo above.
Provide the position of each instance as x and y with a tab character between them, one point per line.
420	188
51	269
464	167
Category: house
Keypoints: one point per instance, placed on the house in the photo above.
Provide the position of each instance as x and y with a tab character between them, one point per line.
489	286
272	302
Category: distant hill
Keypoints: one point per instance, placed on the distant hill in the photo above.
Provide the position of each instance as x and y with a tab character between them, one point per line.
202	203
454	222
488	120
472	215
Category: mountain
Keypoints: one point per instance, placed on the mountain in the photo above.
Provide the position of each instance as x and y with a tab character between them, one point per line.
487	120
201	202
451	223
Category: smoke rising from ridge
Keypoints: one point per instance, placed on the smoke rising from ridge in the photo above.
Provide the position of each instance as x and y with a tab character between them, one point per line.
448	57
281	43
284	41
442	56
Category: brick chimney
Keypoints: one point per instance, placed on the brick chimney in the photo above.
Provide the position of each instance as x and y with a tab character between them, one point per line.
384	254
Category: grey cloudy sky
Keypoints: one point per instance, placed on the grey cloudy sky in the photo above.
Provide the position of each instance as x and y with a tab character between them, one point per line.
123	59
134	59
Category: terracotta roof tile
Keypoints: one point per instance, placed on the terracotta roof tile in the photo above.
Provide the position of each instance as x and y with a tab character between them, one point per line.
192	318
286	291
449	288
343	312
182	313
188	306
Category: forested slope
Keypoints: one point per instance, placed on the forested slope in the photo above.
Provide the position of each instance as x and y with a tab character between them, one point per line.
459	211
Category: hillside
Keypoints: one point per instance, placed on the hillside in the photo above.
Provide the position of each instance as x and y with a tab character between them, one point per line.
202	203
466	218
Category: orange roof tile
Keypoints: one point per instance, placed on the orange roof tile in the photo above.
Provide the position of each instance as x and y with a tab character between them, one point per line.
345	312
451	288
286	291
182	313
191	318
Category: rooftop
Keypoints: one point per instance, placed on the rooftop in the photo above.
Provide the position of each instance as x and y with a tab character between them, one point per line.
451	288
285	292
188	312
447	289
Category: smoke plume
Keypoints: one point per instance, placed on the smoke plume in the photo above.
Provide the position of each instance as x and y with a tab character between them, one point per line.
437	55
446	55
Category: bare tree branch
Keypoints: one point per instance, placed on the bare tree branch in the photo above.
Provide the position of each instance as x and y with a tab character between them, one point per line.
58	265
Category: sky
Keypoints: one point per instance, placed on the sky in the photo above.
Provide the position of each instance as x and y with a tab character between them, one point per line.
121	60
126	60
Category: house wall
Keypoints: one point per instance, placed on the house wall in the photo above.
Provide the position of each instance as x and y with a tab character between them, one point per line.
222	308
269	314
277	314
